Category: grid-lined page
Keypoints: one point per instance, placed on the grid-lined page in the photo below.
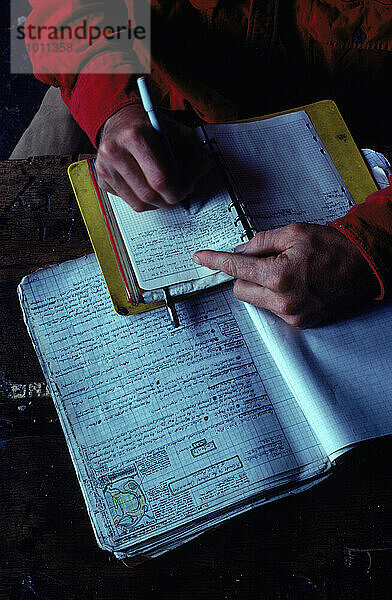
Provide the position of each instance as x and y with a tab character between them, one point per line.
282	171
160	243
340	373
164	425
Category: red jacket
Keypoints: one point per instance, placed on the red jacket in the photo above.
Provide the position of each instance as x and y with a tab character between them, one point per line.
235	59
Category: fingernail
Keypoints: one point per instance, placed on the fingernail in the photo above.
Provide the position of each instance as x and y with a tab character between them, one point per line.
240	248
196	259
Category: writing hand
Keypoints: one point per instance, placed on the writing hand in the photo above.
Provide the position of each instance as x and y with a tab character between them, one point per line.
131	160
303	273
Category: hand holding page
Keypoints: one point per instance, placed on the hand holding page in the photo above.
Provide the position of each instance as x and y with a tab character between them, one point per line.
304	273
275	190
280	171
161	243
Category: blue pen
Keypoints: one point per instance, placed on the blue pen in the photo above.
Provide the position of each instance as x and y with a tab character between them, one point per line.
155	121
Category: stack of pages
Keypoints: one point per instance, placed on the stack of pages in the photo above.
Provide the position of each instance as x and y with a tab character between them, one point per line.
173	431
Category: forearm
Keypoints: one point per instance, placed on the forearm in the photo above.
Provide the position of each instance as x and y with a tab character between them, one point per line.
95	98
95	75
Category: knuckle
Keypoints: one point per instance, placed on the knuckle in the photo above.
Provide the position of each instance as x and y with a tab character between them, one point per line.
103	184
160	183
157	181
103	178
109	148
100	166
134	135
286	305
229	266
258	240
296	229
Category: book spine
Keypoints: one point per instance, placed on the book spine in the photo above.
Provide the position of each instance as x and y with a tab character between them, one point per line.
236	204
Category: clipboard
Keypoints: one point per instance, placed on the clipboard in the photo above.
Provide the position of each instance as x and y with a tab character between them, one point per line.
333	133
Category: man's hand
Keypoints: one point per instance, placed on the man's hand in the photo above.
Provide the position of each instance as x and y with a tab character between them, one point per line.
131	160
303	273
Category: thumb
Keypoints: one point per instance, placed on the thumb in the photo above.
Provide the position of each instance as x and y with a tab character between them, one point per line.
267	242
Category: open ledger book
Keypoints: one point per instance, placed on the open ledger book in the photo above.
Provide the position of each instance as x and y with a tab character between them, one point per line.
299	166
172	431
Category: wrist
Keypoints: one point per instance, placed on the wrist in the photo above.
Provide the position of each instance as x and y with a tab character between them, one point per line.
369	279
133	109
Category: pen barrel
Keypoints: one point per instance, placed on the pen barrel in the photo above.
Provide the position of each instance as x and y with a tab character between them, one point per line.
145	95
156	123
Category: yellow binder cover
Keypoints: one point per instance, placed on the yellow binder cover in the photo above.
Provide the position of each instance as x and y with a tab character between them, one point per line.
333	133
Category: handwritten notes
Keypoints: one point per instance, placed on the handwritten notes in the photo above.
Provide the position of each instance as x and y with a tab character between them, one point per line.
166	427
282	171
161	242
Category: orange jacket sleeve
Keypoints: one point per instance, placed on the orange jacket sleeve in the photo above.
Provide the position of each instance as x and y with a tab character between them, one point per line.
94	75
369	227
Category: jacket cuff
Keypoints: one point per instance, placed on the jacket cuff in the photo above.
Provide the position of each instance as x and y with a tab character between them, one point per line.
369	227
367	256
99	92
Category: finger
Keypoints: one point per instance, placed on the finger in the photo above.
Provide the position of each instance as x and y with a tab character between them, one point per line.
158	168
122	189
133	182
250	268
272	240
106	187
282	305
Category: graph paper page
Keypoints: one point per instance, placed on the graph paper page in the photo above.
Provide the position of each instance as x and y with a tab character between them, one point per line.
161	243
340	373
282	171
164	425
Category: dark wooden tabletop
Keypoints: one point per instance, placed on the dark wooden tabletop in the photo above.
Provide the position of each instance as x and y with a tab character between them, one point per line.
334	541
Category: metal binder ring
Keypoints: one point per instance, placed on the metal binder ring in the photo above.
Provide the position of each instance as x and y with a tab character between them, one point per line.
248	233
231	205
237	220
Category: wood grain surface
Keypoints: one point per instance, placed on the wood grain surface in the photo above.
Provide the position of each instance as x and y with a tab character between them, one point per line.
334	541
